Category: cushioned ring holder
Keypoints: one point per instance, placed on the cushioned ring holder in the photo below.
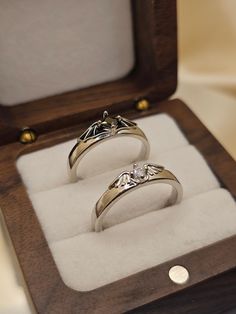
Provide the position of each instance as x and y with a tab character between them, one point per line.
146	268
138	235
66	267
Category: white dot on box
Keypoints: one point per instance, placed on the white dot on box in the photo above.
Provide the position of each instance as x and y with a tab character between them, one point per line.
179	274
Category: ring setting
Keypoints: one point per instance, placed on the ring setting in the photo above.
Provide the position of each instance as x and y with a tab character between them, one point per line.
137	176
127	181
106	127
100	131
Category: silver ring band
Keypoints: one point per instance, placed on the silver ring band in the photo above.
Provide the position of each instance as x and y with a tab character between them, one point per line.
131	180
101	131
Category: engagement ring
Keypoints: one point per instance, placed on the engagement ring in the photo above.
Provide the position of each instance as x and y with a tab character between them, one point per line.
130	180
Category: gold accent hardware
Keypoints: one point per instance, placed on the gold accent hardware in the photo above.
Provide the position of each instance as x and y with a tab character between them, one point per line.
142	105
27	136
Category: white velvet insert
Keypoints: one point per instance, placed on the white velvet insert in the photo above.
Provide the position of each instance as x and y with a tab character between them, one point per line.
72	203
91	260
50	47
139	233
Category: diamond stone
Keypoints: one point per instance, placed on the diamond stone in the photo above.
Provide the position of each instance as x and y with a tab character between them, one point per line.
111	121
139	173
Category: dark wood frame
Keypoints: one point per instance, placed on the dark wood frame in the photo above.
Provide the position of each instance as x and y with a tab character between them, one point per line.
62	117
154	76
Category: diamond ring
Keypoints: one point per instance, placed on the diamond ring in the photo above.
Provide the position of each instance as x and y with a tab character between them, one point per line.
129	180
101	131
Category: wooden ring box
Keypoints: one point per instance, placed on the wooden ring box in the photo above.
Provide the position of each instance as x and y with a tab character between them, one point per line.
212	287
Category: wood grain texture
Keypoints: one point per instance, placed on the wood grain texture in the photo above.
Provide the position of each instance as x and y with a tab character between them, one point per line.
210	297
154	76
51	295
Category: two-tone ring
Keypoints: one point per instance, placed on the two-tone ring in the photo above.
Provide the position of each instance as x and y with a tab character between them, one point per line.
128	181
103	130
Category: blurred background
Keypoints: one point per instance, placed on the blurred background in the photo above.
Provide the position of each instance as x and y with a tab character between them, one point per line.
207	67
207	83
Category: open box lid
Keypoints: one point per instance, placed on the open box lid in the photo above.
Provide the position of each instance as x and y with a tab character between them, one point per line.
153	77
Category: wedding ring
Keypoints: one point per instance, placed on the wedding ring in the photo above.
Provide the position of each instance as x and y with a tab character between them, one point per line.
101	131
128	181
